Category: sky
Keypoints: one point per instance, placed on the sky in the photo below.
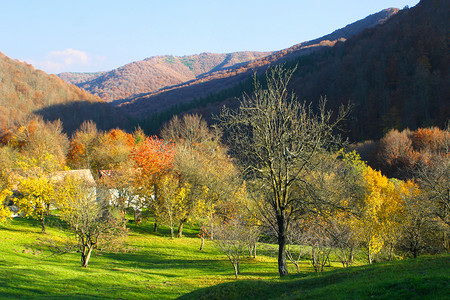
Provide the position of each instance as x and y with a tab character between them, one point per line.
97	35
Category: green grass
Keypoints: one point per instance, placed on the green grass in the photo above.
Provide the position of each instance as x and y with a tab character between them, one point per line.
153	266
422	278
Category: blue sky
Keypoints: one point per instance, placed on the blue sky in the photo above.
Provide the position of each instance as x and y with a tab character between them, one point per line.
98	35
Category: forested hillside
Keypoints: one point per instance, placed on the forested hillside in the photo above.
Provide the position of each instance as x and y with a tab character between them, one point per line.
154	73
26	92
395	75
75	77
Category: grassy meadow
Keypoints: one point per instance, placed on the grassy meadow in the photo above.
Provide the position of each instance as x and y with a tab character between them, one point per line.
150	265
154	266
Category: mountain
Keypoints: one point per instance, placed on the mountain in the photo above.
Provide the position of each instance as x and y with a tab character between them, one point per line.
144	106
395	75
154	73
26	92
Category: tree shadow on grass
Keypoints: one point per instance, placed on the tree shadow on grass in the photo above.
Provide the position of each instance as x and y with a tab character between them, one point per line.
151	261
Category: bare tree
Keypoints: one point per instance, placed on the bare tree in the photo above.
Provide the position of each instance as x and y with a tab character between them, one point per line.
311	231
191	130
434	179
232	238
418	227
344	240
277	140
253	233
118	186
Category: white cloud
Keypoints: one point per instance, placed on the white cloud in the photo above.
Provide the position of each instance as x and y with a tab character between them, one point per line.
68	60
69	57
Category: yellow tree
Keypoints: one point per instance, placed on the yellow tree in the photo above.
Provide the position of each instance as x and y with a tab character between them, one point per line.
36	199
380	216
171	203
5	182
36	188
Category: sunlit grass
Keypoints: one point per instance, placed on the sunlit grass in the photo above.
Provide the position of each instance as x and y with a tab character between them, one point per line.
154	266
150	265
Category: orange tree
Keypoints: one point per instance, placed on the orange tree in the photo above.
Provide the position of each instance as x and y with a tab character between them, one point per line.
153	159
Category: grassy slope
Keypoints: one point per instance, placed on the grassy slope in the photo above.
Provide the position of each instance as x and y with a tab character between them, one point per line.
156	267
423	278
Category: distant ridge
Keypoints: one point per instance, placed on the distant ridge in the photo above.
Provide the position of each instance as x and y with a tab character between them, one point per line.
76	77
154	73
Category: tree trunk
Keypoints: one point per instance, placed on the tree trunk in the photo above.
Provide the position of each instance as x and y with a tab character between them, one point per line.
123	215
43	224
314	258
445	241
203	243
137	216
351	255
171	231
155	228
236	271
282	266
180	228
86	256
211	233
415	249
391	251
252	250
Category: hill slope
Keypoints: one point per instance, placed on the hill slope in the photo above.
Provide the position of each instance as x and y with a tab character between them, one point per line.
422	278
25	92
156	72
396	75
144	105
